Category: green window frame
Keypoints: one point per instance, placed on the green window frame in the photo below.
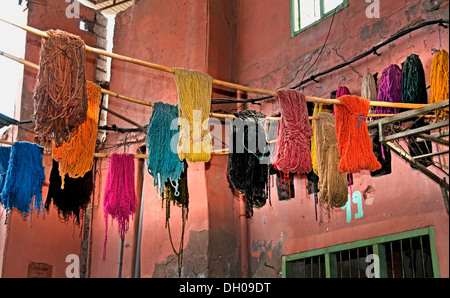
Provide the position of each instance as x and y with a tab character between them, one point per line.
326	261
323	15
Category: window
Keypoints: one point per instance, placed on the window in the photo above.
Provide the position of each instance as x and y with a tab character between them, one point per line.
407	255
306	13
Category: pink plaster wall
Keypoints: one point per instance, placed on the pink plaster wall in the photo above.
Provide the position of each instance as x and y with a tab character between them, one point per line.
39	239
267	57
43	239
247	42
165	34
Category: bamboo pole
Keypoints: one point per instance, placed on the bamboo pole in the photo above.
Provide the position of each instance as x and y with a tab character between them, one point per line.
215	81
150	104
136	156
104	91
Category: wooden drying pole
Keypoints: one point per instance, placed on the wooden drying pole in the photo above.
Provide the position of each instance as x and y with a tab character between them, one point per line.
137	156
150	104
215	81
130	99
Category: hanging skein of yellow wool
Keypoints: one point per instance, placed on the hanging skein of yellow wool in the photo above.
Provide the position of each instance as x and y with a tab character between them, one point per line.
194	105
76	157
439	87
333	184
318	108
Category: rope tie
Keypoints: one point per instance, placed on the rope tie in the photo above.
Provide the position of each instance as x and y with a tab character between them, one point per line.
361	118
181	200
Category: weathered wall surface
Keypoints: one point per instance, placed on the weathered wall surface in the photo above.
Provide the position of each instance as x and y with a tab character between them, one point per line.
166	35
43	239
268	58
247	42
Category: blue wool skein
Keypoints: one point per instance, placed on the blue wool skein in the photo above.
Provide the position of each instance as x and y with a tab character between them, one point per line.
24	179
5	152
163	164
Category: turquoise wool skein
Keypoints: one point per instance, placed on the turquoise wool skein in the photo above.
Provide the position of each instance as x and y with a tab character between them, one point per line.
24	179
163	164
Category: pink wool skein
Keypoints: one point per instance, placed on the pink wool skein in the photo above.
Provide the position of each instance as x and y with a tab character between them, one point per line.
294	133
119	199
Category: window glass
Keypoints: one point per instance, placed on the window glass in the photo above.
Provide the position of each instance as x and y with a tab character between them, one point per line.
330	5
309	12
306	13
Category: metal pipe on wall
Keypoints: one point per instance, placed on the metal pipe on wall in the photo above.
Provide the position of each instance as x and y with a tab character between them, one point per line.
137	264
243	221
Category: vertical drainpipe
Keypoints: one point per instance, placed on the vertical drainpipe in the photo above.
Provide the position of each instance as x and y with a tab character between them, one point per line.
138	217
243	221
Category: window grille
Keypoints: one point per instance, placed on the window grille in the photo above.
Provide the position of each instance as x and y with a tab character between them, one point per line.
410	254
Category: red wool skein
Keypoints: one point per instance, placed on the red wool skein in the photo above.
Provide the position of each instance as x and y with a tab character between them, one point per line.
119	199
294	133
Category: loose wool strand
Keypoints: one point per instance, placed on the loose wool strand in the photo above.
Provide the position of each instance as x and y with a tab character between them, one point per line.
76	157
163	163
24	179
119	199
60	100
194	103
294	134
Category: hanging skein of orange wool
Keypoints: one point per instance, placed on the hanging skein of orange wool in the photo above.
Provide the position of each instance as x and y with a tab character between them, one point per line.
60	100
194	105
294	133
439	86
354	144
76	157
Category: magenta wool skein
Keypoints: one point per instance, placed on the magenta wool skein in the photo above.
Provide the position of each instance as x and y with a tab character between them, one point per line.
119	199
